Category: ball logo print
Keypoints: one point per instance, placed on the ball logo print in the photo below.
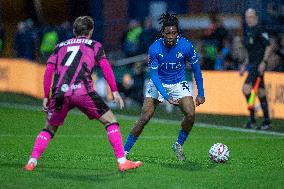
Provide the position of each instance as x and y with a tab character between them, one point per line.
221	149
219	153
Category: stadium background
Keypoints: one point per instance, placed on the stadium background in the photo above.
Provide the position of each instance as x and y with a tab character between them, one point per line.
113	19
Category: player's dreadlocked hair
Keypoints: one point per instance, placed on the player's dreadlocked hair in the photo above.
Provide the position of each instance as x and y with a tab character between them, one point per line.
168	19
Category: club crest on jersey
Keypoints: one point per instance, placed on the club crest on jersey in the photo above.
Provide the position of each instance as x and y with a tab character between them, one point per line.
179	55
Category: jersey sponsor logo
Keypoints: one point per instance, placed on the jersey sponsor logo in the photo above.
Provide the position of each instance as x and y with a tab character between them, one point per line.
179	55
170	65
64	88
74	86
161	55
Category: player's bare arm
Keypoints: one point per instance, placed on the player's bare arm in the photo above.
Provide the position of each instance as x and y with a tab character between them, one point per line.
117	98
49	71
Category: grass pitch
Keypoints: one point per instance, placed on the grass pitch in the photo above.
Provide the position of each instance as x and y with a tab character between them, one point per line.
80	156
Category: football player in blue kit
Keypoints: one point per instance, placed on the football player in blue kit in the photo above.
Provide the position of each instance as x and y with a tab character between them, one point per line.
167	63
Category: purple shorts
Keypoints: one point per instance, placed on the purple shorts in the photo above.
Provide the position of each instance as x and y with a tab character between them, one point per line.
90	104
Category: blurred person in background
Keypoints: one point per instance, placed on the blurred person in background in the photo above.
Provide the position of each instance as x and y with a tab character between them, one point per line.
64	31
2	35
224	60
131	39
148	35
72	63
281	49
259	49
239	52
132	84
213	42
48	39
216	32
168	57
138	78
24	41
272	20
274	62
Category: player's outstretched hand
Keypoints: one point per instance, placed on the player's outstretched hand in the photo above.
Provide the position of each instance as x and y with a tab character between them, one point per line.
118	99
44	104
199	100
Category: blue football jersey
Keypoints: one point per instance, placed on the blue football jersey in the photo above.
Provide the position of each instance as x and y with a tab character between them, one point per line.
168	64
171	62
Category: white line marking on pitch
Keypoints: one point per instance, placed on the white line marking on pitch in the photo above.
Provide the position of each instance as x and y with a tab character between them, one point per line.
155	120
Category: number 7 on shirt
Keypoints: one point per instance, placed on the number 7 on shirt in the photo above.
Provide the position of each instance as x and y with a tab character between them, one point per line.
74	50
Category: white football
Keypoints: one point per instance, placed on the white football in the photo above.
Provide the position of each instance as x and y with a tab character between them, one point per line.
219	153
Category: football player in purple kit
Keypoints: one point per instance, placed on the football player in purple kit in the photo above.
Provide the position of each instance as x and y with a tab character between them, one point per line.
72	64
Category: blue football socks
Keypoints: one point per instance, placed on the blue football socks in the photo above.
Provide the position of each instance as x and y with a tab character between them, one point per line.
182	137
130	141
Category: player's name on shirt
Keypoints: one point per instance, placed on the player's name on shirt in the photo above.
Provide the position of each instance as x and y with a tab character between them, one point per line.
74	41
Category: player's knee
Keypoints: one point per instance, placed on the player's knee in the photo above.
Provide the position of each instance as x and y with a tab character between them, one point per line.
190	116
